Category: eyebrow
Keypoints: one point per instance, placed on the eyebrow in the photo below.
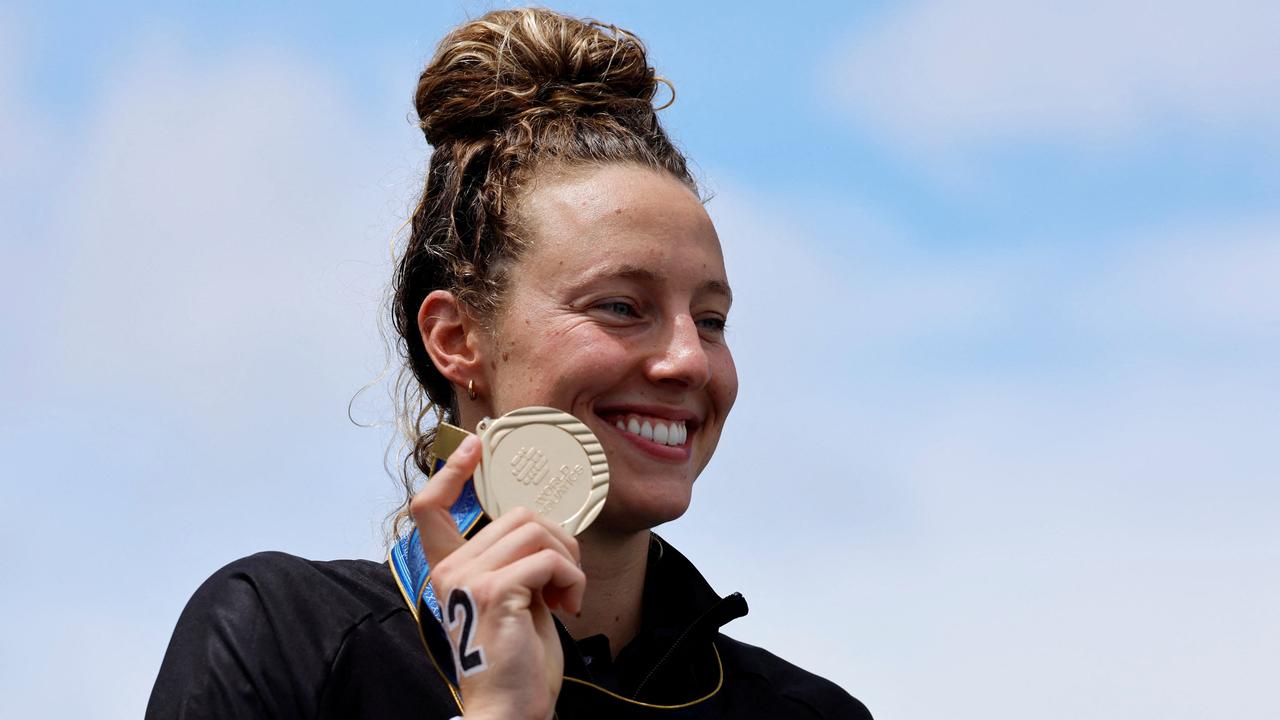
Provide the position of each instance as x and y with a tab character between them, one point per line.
643	274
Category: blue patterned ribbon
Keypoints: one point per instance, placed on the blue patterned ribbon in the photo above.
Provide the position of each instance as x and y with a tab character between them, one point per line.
409	562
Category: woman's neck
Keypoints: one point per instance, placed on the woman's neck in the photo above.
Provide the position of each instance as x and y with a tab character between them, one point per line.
615	567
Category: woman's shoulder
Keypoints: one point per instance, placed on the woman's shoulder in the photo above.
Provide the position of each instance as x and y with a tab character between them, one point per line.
333	591
780	678
272	572
264	633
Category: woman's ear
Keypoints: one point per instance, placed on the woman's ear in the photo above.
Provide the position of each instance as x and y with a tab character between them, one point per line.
450	337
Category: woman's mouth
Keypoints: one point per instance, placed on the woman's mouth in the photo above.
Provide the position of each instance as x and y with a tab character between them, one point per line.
664	438
672	433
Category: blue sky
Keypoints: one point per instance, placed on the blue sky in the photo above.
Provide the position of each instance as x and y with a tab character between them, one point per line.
1007	325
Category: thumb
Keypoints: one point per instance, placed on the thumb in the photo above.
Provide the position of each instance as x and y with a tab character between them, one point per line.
430	507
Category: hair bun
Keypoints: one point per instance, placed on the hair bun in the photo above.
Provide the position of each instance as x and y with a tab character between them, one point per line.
512	65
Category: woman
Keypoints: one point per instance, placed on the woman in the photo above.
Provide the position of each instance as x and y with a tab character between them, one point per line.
560	256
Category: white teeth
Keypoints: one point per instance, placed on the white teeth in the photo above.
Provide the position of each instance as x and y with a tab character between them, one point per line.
660	433
672	432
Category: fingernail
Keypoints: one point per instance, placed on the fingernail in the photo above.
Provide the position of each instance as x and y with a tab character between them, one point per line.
469	443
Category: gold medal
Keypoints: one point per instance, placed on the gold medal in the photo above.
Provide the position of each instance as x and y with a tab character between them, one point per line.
546	460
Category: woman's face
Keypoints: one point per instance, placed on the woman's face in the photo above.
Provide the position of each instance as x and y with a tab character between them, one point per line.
616	314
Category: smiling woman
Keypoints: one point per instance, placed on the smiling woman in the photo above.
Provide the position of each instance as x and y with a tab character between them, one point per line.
616	314
560	257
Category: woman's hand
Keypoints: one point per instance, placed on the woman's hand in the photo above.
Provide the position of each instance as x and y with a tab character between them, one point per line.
497	592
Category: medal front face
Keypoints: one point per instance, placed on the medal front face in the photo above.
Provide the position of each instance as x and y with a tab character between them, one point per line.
546	460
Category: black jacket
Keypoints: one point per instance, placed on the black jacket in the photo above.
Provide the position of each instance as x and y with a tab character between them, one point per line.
277	636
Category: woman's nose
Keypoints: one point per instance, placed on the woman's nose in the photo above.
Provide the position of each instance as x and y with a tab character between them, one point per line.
681	357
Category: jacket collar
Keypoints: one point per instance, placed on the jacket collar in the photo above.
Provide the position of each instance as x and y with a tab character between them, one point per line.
671	658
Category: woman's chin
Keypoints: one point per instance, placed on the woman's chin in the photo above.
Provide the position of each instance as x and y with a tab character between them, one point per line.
627	512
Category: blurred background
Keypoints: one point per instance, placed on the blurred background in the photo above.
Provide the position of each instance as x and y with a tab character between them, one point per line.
1008	330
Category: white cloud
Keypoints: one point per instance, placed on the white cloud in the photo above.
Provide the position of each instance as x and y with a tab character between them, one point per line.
1065	535
227	223
1215	281
940	74
194	318
31	165
12	131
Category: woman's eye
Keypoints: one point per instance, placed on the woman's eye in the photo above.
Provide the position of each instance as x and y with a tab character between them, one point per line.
618	307
712	324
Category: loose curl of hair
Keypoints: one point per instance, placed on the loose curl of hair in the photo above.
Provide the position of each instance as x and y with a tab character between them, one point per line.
507	95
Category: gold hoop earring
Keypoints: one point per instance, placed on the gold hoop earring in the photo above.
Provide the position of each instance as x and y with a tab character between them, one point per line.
471	389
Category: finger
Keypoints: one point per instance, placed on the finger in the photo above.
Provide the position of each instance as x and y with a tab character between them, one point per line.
512	521
548	573
430	507
522	540
568	599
